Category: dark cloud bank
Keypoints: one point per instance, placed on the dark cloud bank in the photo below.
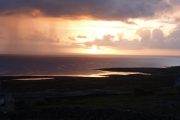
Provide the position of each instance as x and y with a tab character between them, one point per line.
101	9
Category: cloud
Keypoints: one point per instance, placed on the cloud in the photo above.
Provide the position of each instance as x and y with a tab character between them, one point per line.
154	39
173	41
81	36
175	2
100	9
24	37
109	41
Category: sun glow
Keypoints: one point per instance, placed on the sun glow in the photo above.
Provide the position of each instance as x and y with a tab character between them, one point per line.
87	33
94	49
97	29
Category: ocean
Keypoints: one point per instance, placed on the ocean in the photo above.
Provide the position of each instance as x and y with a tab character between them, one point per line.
76	65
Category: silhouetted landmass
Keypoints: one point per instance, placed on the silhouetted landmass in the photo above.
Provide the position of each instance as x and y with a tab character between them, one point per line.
84	114
142	97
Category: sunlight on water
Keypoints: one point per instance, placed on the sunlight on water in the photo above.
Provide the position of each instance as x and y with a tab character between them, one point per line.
108	73
81	66
101	74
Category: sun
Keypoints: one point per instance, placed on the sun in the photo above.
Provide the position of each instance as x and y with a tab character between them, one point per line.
94	49
98	50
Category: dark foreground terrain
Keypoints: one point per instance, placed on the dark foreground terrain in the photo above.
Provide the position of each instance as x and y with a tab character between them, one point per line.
134	97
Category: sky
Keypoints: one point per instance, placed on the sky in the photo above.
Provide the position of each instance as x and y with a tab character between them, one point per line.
63	27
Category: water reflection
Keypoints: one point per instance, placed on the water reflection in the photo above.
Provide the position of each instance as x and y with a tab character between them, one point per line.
98	74
107	74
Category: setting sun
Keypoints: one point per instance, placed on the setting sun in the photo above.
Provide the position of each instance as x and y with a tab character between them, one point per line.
94	49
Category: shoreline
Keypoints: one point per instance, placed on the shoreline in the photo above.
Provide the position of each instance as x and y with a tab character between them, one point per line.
143	70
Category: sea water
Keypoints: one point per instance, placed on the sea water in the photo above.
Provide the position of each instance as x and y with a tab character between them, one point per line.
11	65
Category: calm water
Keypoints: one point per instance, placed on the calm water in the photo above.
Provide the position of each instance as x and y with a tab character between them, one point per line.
83	66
